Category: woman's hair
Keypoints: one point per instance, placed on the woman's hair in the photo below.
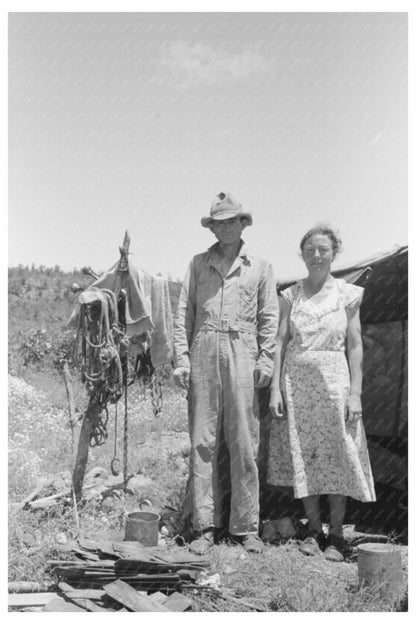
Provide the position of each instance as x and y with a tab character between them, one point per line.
324	230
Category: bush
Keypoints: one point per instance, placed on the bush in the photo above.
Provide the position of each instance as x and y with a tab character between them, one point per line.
39	349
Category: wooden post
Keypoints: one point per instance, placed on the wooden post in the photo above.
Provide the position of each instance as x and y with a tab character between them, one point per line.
71	406
83	447
124	252
93	409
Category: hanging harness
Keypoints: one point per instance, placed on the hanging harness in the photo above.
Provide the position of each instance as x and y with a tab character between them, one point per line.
98	341
100	346
101	353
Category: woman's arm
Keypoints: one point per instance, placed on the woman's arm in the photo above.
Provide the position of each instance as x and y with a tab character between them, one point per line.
283	335
355	362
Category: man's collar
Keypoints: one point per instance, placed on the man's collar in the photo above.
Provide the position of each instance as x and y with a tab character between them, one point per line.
244	251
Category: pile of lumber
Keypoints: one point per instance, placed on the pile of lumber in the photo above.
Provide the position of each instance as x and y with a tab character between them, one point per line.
115	596
108	575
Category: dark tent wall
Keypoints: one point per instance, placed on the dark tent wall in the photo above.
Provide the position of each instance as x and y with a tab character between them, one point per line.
384	314
385	279
384	318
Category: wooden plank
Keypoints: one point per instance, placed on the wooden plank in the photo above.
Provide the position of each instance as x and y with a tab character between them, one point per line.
178	602
47	501
65	586
71	592
59	605
85	603
125	594
31	599
137	566
38	489
79	564
133	550
86	594
26	587
158	597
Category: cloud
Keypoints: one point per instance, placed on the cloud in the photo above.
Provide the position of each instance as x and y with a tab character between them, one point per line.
204	65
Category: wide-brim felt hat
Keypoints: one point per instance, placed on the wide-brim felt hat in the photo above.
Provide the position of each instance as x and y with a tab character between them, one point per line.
225	206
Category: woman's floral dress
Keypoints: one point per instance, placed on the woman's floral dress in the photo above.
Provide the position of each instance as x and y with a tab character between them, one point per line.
313	449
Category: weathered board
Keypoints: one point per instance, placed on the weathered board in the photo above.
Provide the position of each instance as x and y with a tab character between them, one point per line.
130	598
31	599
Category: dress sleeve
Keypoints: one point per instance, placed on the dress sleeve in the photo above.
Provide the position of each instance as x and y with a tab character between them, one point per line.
352	296
288	294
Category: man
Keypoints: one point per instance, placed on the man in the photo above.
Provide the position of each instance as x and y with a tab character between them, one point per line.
225	336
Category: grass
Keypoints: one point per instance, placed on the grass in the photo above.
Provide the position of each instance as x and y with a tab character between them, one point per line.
281	579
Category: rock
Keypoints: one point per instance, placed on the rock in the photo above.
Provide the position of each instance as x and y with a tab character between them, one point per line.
60	538
227	569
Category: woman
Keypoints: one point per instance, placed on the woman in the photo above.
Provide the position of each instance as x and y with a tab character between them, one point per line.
317	439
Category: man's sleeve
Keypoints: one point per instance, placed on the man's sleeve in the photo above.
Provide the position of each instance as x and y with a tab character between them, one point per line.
267	321
184	322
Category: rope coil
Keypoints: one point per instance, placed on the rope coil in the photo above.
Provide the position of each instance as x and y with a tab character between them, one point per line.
97	354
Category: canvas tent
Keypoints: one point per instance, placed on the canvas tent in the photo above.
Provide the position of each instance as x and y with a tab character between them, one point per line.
384	318
384	314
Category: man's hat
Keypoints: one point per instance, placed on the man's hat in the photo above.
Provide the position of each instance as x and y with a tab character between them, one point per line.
225	206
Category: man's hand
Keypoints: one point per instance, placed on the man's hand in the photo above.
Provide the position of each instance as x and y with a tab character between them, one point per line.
181	375
277	404
261	379
353	409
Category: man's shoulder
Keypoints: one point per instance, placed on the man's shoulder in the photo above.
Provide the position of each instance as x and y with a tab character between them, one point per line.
260	261
198	262
251	255
200	257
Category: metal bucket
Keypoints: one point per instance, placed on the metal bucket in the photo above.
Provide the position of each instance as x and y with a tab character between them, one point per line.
380	567
143	527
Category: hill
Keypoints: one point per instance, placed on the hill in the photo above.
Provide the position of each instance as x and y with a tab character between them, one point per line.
40	302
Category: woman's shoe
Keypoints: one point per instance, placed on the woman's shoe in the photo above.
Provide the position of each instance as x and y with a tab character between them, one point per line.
312	543
335	548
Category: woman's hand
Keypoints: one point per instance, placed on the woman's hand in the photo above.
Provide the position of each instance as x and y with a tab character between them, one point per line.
277	404
353	410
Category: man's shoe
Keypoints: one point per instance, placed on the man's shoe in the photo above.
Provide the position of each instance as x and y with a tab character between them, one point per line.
335	549
252	543
201	545
220	534
312	543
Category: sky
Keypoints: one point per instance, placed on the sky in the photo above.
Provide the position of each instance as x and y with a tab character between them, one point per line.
137	120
